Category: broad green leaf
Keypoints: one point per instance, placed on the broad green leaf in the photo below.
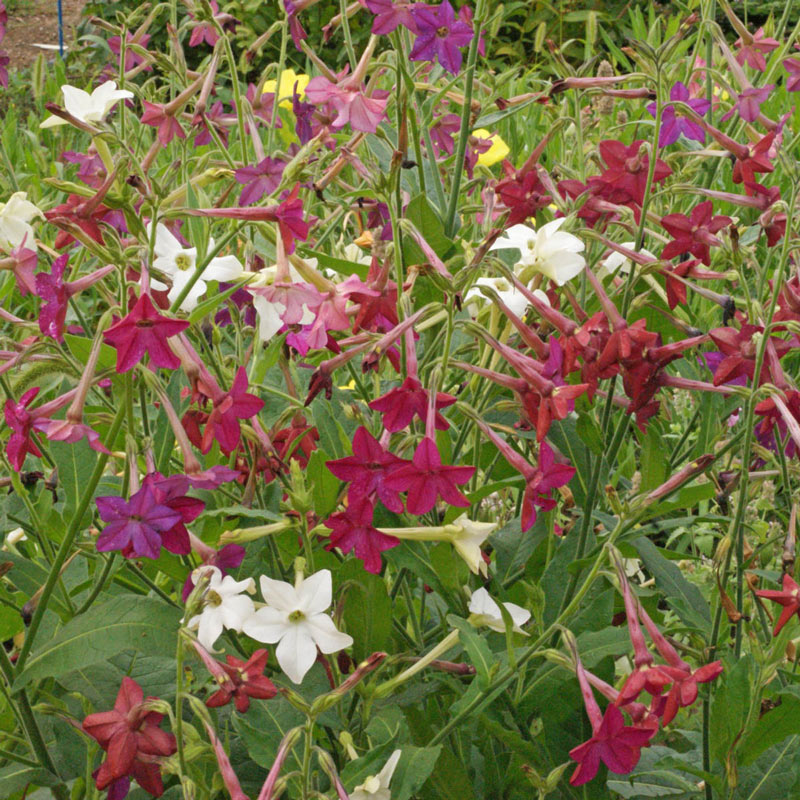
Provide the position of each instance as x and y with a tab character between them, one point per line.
324	484
75	463
730	705
654	459
429	224
263	727
16	777
771	728
124	622
415	766
688	600
513	548
367	609
10	623
340	265
80	347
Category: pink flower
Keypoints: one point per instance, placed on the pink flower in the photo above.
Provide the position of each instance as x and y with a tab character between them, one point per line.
155	115
223	422
401	404
351	104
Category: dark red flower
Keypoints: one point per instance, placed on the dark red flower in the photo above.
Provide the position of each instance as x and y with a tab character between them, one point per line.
693	234
131	736
245	679
523	193
367	470
739	351
426	478
756	160
85	213
401	404
352	530
142	331
625	178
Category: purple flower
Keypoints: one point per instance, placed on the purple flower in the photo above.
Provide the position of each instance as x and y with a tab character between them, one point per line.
263	178
748	103
92	171
132	58
216	117
135	527
350	102
441	35
672	126
389	15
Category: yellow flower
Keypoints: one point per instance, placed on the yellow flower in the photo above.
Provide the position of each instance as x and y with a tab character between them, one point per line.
286	88
498	150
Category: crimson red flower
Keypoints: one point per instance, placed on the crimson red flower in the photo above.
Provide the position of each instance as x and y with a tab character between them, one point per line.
85	213
352	530
367	469
523	193
757	160
401	404
788	597
739	349
142	331
426	478
693	234
223	421
245	679
625	178
171	492
131	736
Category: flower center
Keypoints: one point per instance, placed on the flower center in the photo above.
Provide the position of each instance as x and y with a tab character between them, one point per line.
213	598
183	262
297	616
443	32
144	323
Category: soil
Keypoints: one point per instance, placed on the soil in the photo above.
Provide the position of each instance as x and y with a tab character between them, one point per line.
32	22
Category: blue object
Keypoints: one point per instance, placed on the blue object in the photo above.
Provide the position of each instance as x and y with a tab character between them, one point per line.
60	30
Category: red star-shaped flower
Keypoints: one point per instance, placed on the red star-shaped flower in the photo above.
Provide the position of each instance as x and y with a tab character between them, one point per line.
788	597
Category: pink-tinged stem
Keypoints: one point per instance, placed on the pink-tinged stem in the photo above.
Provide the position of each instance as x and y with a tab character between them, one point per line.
286	745
668	652
788	418
641	655
226	770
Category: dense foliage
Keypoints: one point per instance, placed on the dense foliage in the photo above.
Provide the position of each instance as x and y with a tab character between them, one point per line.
384	420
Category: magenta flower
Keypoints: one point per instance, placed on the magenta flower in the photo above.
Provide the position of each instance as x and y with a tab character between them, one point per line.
171	492
56	294
155	115
352	529
401	404
752	52
229	408
426	478
792	66
617	745
214	118
19	419
748	103
788	598
672	125
65	430
389	15
349	101
135	527
132	58
440	35
263	178
91	169
142	331
540	482
367	470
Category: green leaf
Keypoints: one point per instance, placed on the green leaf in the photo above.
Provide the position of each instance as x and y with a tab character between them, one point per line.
80	347
772	728
217	299
686	598
324	484
415	766
16	777
482	658
427	221
10	623
75	463
127	621
367	609
654	459
340	265
730	705
513	548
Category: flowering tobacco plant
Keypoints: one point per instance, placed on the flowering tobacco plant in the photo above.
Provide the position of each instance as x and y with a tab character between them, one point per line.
382	422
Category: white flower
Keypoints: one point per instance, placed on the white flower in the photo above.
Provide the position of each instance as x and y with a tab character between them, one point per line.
16	215
295	618
225	606
87	107
554	253
376	787
13	537
516	302
487	612
178	264
616	261
467	539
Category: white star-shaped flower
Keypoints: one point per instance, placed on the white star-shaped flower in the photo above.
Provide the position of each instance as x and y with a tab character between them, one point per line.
178	264
516	302
87	107
225	606
376	787
295	618
487	612
16	215
467	540
550	251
